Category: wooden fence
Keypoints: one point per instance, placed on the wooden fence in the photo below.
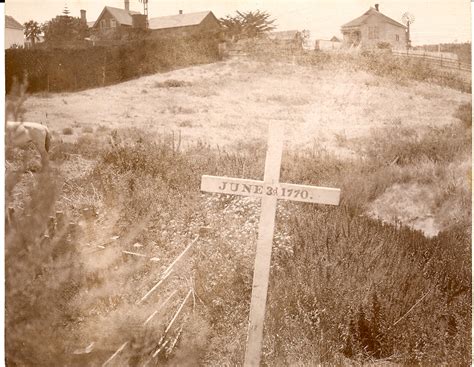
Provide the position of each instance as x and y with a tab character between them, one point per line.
442	60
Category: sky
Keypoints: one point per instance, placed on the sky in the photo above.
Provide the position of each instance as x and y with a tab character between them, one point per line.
436	21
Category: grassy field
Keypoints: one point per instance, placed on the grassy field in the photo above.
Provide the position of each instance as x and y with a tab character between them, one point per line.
382	279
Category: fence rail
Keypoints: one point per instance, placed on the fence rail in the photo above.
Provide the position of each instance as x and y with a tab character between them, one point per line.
446	62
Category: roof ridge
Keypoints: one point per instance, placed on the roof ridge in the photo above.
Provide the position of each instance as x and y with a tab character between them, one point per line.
113	7
175	15
372	11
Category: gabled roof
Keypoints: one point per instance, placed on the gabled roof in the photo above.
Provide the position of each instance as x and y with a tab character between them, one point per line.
283	35
335	39
122	16
178	20
371	12
10	22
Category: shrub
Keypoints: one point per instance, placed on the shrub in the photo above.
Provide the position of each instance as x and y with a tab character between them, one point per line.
42	277
384	46
341	283
172	83
88	129
67	69
464	113
68	131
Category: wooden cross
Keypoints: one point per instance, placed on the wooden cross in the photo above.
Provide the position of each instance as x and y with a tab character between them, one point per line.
269	190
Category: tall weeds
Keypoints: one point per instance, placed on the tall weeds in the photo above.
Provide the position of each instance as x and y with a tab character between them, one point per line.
343	287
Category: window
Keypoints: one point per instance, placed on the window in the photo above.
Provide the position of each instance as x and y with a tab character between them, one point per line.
373	32
102	24
113	23
397	37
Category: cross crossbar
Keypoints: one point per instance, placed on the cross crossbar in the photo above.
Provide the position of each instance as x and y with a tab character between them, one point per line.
284	191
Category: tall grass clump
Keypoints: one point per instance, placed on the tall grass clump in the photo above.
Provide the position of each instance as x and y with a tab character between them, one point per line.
42	277
345	289
385	64
464	113
368	291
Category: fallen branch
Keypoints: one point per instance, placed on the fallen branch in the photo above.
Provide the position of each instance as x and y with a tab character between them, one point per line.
168	271
133	253
115	354
411	308
170	325
159	308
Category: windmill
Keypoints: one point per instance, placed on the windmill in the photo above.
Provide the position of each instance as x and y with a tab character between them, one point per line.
408	18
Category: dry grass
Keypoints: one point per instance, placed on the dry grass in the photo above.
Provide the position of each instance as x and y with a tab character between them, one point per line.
327	102
341	282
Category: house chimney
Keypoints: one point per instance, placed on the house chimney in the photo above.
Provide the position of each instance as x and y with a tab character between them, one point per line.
83	16
377	7
127	5
180	12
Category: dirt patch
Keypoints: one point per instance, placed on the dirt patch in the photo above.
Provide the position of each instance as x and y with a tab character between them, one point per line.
410	204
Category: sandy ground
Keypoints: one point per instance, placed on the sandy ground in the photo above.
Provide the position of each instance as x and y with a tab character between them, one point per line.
233	101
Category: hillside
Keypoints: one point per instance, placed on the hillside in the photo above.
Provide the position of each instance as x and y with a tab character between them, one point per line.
331	109
317	105
97	261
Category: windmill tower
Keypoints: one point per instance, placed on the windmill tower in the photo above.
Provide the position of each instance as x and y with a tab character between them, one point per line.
408	19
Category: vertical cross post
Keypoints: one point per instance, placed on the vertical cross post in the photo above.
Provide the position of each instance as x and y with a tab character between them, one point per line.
264	248
269	190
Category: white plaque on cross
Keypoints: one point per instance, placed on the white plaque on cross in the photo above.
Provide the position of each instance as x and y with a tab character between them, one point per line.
269	190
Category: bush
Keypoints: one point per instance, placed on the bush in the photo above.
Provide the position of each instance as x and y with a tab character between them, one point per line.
68	131
172	83
340	281
42	276
379	62
67	69
464	113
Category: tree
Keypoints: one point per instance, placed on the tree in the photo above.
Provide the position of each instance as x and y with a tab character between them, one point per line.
65	28
32	31
247	25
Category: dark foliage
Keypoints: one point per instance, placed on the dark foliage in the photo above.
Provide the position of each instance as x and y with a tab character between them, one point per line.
56	70
464	113
247	24
65	28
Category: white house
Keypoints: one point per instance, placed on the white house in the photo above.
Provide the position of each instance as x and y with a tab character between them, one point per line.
14	36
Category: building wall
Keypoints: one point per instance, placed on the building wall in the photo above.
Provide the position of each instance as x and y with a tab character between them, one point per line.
206	27
175	32
106	29
209	25
376	30
14	37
